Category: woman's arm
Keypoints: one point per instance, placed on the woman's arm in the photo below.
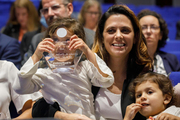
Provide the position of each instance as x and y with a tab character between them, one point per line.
67	116
26	110
42	109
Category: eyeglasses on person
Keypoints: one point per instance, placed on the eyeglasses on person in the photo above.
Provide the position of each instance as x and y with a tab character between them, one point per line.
153	28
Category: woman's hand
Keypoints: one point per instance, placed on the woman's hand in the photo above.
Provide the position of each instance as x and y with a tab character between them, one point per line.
131	111
67	116
167	116
44	46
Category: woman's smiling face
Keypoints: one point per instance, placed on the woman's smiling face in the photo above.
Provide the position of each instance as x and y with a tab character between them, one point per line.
118	35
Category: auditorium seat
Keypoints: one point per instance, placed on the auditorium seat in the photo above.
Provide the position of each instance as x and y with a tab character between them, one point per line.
175	78
171	46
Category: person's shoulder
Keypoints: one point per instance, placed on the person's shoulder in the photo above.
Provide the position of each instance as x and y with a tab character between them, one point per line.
86	30
37	38
39	35
5	64
172	110
12	27
165	54
6	39
32	33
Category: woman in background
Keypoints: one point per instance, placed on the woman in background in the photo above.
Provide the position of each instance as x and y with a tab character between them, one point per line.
90	14
23	18
155	31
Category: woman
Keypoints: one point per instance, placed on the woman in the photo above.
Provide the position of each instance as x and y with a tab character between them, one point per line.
23	103
23	18
155	31
90	14
120	43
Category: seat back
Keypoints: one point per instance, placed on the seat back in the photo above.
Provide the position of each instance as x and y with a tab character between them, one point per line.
175	78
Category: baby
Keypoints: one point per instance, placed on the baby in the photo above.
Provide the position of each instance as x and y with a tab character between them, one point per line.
154	97
71	91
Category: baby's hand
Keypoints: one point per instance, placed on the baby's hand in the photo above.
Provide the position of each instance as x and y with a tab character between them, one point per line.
131	111
78	43
44	46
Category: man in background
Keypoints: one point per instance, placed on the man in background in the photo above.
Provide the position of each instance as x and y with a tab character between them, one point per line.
52	9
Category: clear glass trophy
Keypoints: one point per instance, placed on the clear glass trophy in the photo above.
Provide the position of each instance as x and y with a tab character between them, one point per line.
63	60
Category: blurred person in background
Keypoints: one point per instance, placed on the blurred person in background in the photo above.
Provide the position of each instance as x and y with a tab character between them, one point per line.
11	102
90	14
23	18
27	37
155	31
9	50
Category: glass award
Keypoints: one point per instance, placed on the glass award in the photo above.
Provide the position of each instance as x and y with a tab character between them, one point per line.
63	60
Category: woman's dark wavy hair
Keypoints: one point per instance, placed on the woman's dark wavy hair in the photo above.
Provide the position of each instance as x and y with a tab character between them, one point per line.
138	53
164	83
162	23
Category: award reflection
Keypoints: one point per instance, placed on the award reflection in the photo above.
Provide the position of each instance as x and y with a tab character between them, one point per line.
62	59
62	53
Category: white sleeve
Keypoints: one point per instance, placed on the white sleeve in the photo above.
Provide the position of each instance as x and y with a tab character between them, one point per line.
9	73
27	82
96	78
20	100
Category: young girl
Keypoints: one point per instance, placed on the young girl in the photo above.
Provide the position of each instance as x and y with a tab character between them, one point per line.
71	91
154	98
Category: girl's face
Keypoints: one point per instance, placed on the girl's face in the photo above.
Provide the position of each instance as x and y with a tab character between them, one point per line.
151	30
151	98
118	35
22	16
61	50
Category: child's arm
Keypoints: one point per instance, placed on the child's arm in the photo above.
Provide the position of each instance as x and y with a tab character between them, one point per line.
28	79
167	116
131	111
78	43
44	46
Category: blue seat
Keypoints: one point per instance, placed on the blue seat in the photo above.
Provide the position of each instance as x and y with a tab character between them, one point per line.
171	46
175	78
77	5
105	7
